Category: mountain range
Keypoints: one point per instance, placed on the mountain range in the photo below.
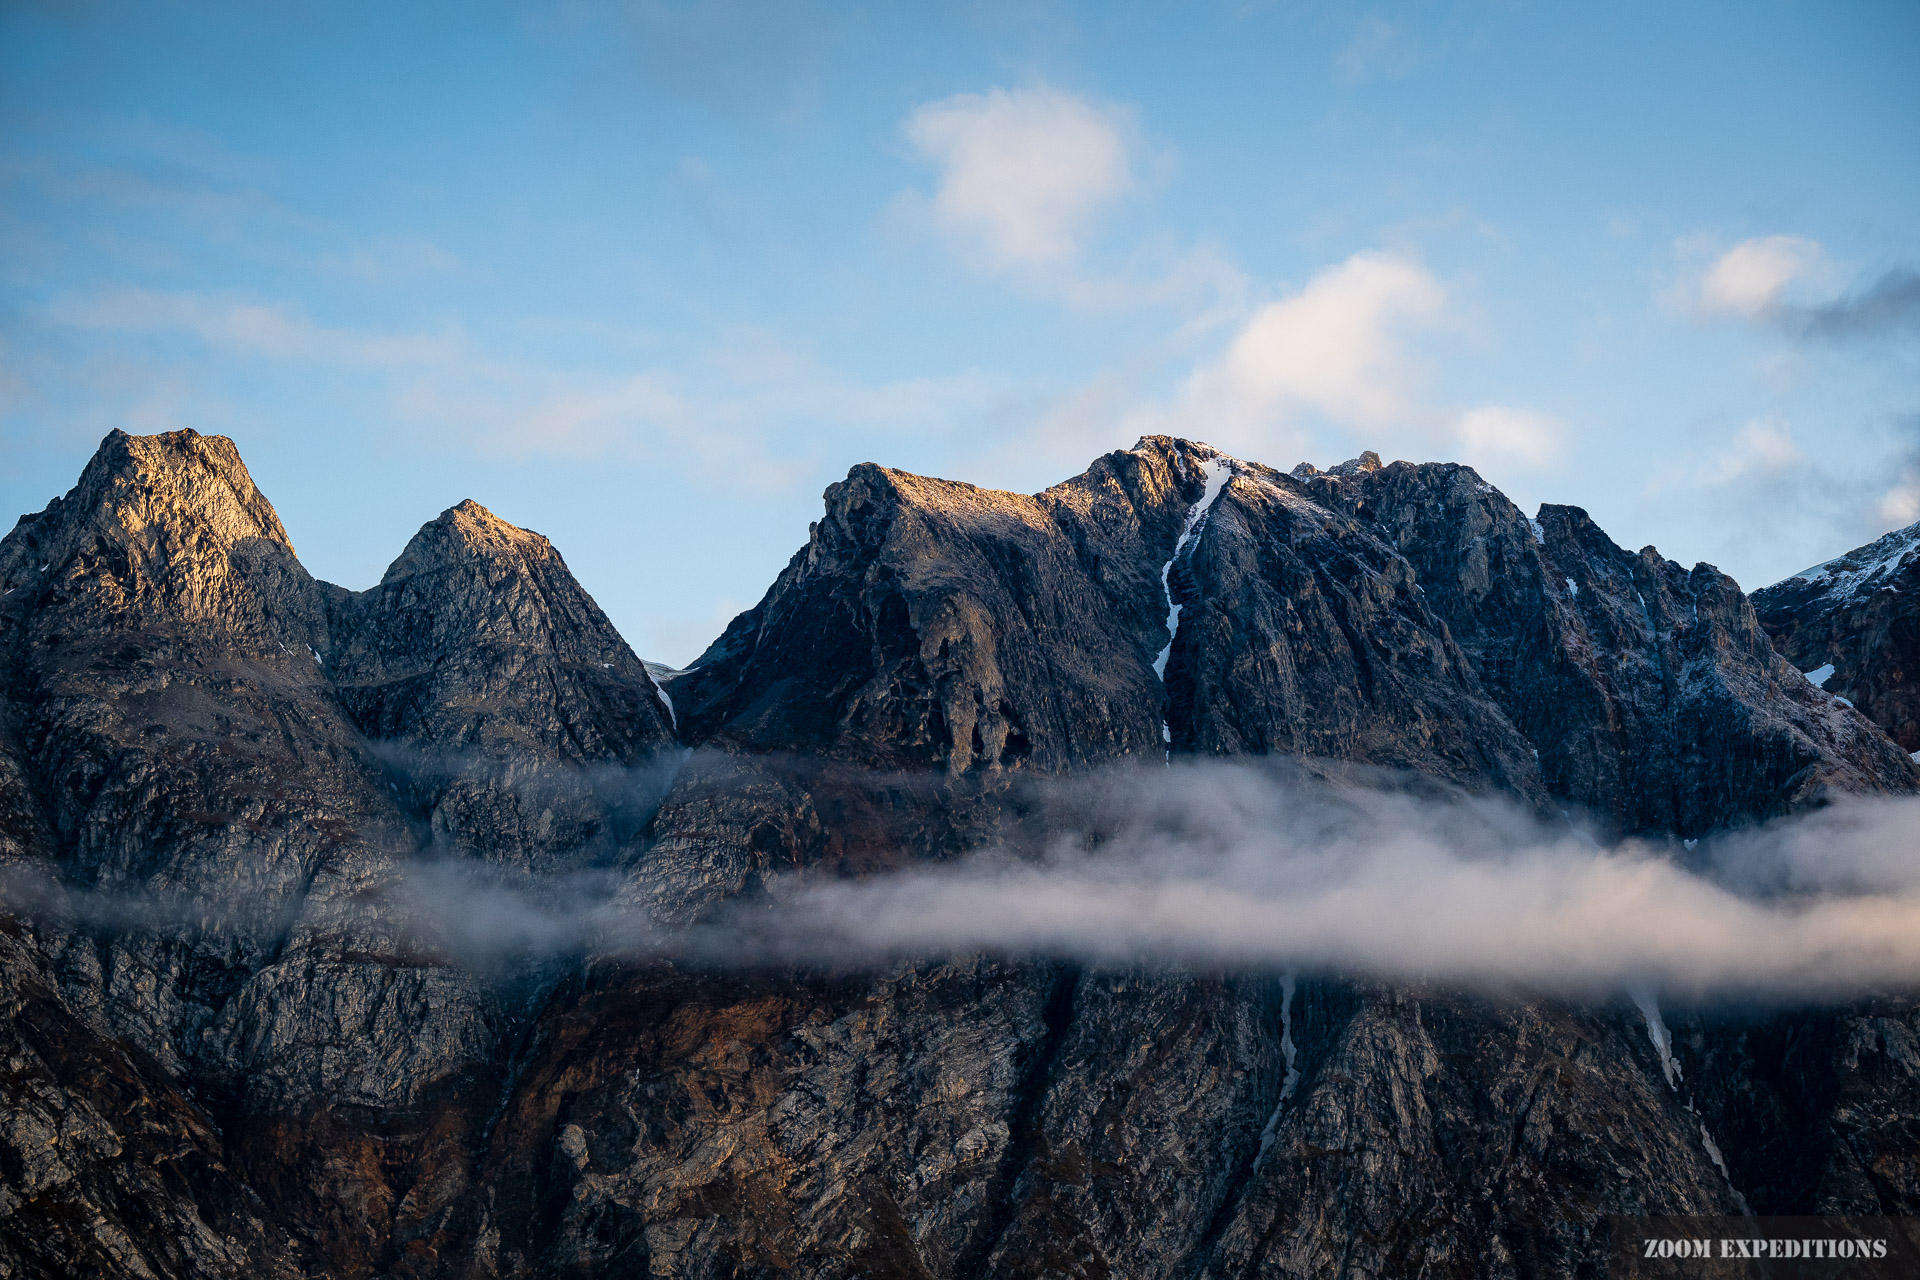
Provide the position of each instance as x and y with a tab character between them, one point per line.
251	1034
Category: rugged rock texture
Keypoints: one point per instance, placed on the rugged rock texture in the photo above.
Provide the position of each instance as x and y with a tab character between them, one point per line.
311	1088
1651	692
508	709
968	637
174	735
1860	615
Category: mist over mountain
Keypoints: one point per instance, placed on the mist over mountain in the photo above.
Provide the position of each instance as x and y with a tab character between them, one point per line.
1193	869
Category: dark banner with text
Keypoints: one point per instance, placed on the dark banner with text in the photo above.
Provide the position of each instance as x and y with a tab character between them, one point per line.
1765	1248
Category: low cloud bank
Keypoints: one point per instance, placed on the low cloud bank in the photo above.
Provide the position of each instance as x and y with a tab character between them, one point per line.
1253	865
1236	865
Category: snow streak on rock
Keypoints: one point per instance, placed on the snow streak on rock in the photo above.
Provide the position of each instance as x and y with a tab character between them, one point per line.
665	700
1292	1082
1218	472
1663	1045
1657	1032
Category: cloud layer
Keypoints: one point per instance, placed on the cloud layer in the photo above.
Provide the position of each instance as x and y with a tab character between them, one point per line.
1240	865
1258	865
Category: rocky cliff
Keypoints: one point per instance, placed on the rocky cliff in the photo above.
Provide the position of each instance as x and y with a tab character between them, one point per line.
317	1084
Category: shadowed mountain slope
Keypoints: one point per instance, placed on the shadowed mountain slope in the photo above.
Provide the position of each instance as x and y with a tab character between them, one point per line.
1854	622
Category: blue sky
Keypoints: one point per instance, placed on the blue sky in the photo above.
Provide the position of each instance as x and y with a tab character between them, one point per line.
647	277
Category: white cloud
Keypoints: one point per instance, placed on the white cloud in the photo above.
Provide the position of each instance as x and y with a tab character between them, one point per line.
1751	279
392	260
1339	354
1023	171
1379	49
1503	432
1335	348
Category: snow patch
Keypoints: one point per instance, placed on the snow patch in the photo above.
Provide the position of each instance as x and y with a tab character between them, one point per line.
1689	843
1863	567
665	700
1819	676
1663	1045
1539	534
1292	1055
1657	1032
1573	589
1720	1163
1218	471
317	661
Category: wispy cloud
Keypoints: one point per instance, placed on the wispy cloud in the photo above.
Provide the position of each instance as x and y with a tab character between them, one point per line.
1337	346
1526	436
1379	50
1763	447
1788	283
725	413
1889	303
273	330
1236	864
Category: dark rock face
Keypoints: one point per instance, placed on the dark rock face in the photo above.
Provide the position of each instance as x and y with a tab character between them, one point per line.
1817	1111
314	1091
1859	614
1651	692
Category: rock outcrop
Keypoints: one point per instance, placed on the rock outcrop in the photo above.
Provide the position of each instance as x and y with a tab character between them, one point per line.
1853	624
315	1086
1650	690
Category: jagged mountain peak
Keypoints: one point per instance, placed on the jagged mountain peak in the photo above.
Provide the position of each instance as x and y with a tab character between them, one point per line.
977	630
1864	569
1858	616
479	635
1368	461
464	532
165	530
134	485
1172	447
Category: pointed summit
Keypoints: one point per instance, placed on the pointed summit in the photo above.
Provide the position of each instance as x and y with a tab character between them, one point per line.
468	532
478	635
165	530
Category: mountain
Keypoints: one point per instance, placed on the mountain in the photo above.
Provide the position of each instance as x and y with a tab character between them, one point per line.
322	1085
1853	625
